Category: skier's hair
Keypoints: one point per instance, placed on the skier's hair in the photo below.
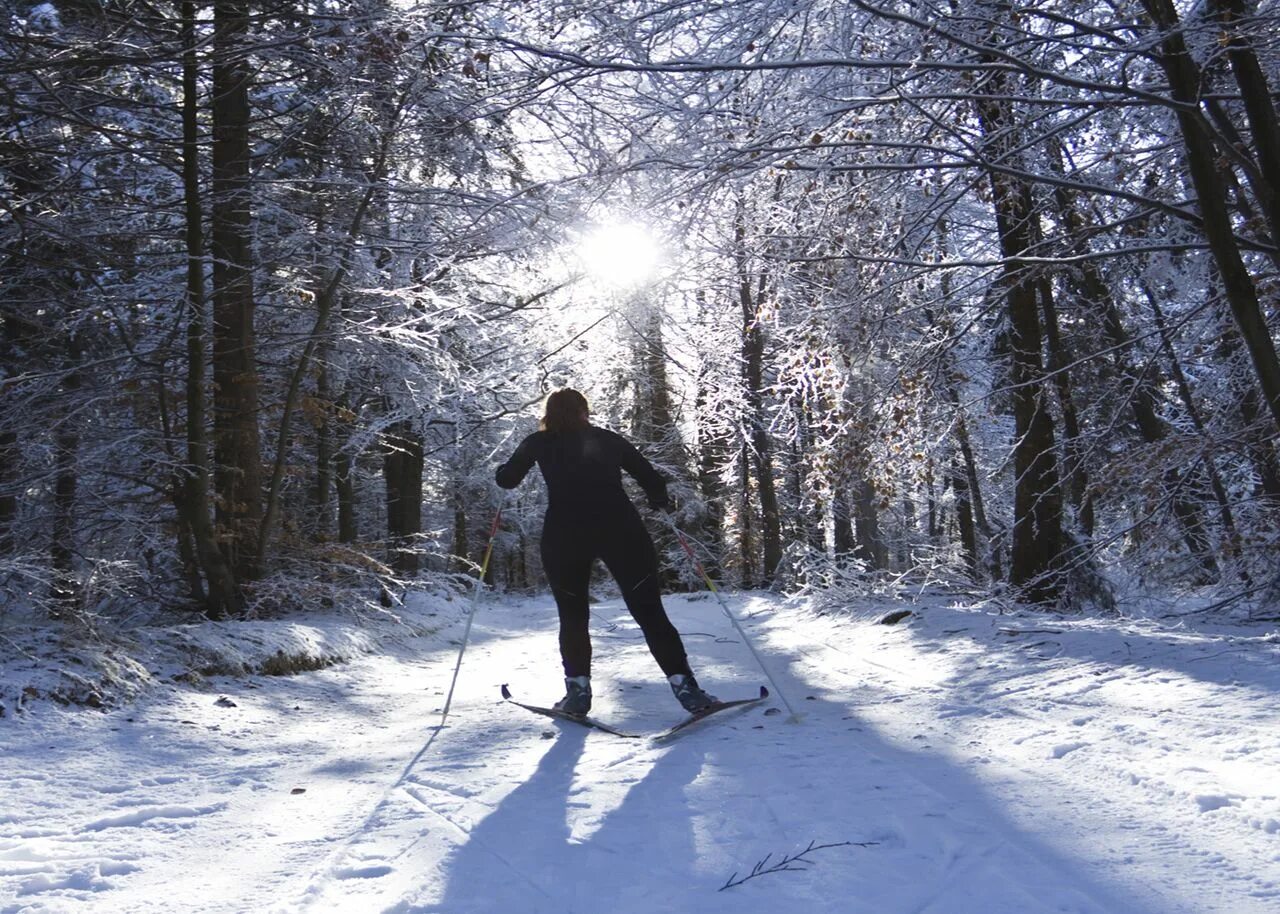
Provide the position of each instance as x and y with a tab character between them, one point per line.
566	411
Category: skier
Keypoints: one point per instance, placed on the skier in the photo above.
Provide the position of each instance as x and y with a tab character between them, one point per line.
589	516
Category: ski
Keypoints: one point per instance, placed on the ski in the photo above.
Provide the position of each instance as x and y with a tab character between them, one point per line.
591	722
704	714
557	714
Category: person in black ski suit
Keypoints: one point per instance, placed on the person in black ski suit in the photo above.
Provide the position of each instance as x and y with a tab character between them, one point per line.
589	516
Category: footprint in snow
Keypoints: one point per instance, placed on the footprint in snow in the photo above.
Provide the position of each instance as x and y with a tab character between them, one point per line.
1064	749
372	871
89	878
146	814
1208	802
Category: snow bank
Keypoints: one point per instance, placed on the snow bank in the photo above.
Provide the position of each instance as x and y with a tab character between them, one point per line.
62	663
965	759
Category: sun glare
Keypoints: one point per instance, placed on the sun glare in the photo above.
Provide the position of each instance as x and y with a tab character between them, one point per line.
621	255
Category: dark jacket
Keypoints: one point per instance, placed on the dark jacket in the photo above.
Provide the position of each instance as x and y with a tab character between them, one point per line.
583	470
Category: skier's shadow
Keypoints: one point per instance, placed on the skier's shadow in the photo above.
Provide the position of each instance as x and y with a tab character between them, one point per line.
523	857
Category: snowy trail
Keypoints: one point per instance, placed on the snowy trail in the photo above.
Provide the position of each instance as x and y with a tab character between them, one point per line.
991	764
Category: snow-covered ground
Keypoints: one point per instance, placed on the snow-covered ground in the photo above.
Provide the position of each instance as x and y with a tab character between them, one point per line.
977	761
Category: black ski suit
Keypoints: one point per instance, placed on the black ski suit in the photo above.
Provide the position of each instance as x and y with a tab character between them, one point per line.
589	516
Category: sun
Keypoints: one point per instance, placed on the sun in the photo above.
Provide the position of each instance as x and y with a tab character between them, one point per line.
622	254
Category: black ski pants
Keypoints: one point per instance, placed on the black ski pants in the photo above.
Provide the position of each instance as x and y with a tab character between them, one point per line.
570	545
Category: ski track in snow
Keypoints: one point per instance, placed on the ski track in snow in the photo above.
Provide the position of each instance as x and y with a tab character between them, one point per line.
993	764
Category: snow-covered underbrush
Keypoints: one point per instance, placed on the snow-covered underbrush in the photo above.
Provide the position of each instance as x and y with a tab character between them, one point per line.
104	666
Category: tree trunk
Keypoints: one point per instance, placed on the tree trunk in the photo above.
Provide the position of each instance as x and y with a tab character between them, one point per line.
1037	527
987	548
976	537
1242	296
1259	442
402	471
1072	438
188	559
714	450
461	544
842	523
1230	134
746	522
522	564
221	594
13	336
964	517
653	421
345	484
322	495
1257	97
8	491
933	524
757	432
852	480
66	446
237	452
808	524
870	546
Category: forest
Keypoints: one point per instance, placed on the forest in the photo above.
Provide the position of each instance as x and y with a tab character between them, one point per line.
951	326
978	292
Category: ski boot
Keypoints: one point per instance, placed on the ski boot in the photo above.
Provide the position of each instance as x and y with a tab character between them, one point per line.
577	696
690	694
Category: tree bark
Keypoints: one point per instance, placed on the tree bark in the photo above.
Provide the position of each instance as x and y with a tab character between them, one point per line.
188	559
808	524
322	493
66	446
842	523
1037	527
988	551
757	433
653	421
933	525
714	452
237	449
869	545
977	538
1072	437
746	521
8	491
345	484
461	544
964	517
1258	105
222	595
1241	294
402	467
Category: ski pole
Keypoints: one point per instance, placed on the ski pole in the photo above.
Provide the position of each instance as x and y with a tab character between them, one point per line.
471	614
711	585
